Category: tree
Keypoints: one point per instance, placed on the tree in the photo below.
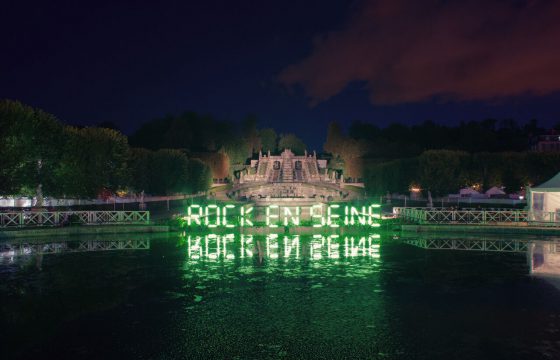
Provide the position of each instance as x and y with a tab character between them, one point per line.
292	142
30	144
268	139
199	176
391	176
169	172
94	159
335	138
251	134
443	171
140	164
237	150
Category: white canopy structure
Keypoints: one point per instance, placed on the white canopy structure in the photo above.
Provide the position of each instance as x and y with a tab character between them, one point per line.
495	191
544	200
469	192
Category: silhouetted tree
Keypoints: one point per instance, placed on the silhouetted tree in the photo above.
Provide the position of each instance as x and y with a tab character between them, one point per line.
268	140
292	142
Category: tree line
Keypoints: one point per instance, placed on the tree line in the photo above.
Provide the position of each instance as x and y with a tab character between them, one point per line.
37	152
440	158
398	141
446	171
194	132
164	156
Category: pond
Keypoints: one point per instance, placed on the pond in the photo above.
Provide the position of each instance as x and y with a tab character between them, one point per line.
375	296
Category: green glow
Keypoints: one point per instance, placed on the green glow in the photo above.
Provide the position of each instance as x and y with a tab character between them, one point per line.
272	246
194	248
207	216
224	215
314	215
315	246
228	247
226	239
288	246
288	214
333	247
208	240
373	215
246	241
333	216
191	216
244	213
361	219
270	216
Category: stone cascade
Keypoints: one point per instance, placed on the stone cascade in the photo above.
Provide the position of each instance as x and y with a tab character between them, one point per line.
300	178
300	174
287	169
312	170
262	168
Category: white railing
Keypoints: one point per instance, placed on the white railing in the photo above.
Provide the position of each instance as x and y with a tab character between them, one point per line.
9	250
514	245
442	216
58	218
27	202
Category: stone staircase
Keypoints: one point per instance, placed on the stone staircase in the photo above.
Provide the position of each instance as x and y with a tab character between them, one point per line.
287	170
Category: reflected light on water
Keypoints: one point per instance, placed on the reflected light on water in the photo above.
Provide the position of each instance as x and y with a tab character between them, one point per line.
273	246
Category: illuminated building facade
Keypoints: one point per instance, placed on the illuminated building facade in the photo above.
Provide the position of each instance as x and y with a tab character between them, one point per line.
291	177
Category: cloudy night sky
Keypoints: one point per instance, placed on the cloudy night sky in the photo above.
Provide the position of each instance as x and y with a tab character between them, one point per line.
297	65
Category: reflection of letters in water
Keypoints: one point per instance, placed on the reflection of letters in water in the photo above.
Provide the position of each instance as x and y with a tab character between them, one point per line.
274	246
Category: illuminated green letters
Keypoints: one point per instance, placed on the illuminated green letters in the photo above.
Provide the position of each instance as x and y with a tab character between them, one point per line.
318	215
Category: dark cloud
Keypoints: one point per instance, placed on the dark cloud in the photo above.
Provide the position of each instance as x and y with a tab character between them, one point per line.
410	50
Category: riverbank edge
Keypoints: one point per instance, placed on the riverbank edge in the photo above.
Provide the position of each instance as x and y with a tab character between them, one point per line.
282	230
19	233
482	229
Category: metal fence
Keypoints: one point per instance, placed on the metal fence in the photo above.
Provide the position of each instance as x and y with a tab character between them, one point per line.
513	245
444	216
9	250
58	218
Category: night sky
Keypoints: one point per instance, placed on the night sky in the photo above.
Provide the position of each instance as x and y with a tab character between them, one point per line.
295	64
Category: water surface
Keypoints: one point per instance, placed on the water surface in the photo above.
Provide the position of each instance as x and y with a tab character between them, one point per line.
243	297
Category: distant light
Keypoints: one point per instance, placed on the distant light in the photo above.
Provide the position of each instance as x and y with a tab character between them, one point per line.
521	197
415	189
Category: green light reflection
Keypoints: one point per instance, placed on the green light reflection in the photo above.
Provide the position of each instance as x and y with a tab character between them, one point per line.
229	247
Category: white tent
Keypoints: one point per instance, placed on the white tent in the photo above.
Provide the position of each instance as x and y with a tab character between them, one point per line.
469	192
495	191
544	200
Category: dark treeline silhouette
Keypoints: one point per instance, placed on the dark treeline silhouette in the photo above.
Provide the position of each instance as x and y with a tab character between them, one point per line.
446	171
441	159
195	133
40	155
181	154
401	141
175	154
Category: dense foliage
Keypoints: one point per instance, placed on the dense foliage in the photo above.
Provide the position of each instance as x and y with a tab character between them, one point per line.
194	133
399	141
439	158
446	171
30	149
37	151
